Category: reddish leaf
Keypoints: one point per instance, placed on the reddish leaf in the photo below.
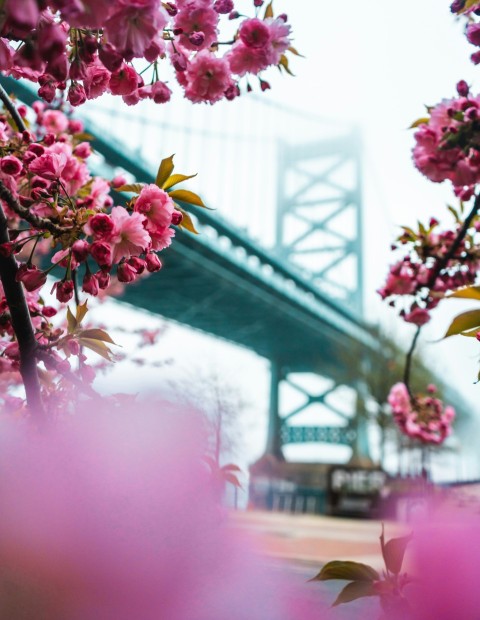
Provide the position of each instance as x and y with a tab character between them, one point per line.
350	571
353	591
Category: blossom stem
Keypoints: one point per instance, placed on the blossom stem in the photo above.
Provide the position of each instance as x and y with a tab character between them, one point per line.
12	110
408	361
441	264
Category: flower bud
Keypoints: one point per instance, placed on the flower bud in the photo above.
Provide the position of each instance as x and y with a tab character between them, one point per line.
80	250
179	62
110	57
7	249
73	346
11	165
462	88
137	263
103	279
90	284
223	7
152	262
31	277
100	226
76	94
126	273
64	291
197	38
101	252
177	217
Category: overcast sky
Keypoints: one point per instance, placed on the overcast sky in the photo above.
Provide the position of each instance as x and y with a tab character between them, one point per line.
376	65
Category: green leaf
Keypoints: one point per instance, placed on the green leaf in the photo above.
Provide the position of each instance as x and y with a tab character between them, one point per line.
96	334
269	10
464	322
187	196
71	321
177	178
454	213
164	170
467	292
351	571
420	121
410	232
186	222
353	591
134	188
292	50
472	333
468	5
284	63
83	136
97	346
393	551
82	310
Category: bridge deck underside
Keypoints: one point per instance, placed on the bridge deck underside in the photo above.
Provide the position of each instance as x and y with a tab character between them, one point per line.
204	290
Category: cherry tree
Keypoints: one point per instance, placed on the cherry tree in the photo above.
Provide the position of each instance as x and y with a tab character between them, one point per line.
91	228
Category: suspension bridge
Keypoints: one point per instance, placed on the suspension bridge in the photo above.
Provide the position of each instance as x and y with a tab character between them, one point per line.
277	267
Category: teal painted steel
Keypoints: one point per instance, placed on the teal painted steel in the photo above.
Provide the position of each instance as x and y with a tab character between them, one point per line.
318	434
223	283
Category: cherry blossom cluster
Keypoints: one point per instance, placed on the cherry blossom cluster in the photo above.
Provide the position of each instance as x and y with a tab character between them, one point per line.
447	145
84	48
415	284
56	208
471	10
49	181
421	417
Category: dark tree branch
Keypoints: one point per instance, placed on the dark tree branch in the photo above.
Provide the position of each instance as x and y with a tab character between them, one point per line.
21	322
12	110
439	265
15	296
26	214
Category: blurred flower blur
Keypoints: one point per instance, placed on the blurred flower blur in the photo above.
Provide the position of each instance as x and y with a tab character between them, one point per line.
110	515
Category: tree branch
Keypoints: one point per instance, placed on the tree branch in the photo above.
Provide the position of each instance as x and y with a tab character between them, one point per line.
21	322
12	110
26	214
439	265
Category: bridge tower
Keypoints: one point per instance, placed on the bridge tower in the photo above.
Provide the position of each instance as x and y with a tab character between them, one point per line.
319	234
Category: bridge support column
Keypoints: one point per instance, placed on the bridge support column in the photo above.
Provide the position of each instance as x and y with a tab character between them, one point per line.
274	439
361	445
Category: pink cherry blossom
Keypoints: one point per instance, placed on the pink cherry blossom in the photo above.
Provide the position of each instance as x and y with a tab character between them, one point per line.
129	236
54	121
49	166
123	81
437	154
207	78
161	238
156	205
134	25
96	81
197	16
420	417
279	38
84	13
243	59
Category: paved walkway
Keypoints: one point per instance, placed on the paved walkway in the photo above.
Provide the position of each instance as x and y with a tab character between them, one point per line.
315	539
